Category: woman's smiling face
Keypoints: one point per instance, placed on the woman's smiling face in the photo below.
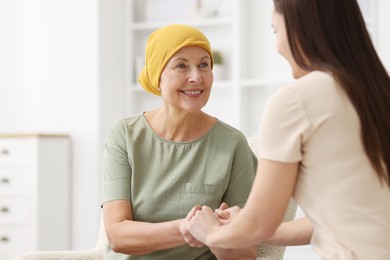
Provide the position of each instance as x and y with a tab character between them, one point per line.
186	80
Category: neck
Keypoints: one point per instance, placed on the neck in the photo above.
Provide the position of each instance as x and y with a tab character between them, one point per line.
179	127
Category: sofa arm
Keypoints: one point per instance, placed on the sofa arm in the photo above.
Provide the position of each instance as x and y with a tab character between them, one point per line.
90	254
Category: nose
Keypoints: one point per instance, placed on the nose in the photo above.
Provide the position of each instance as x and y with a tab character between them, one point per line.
195	76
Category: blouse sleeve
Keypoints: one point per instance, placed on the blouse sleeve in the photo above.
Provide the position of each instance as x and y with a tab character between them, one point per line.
116	168
283	126
243	171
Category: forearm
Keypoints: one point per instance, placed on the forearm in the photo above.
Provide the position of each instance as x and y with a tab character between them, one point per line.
292	233
240	233
138	238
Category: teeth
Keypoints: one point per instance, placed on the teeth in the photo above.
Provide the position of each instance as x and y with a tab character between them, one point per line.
192	92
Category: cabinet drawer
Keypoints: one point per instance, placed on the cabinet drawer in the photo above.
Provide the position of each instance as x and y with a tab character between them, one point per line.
15	241
15	182
14	211
16	151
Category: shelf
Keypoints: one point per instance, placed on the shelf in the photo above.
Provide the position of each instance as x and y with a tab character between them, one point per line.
145	26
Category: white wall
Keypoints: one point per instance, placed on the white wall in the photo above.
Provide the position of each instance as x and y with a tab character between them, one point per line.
63	70
113	62
49	83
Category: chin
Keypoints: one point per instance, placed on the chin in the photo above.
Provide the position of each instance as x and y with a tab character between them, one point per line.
296	74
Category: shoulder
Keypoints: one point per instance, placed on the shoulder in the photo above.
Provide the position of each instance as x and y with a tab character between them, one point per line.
312	80
311	89
314	84
224	130
229	138
125	126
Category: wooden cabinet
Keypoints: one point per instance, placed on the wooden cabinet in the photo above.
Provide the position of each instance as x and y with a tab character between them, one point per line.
34	193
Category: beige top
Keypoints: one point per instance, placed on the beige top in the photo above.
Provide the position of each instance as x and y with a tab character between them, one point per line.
313	122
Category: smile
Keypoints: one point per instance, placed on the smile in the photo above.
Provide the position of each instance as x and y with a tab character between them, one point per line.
191	92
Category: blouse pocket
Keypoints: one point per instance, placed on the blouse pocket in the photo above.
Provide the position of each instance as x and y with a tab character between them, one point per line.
200	194
203	188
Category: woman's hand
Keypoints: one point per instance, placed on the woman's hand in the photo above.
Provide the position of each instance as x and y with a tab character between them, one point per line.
226	214
202	223
223	214
184	229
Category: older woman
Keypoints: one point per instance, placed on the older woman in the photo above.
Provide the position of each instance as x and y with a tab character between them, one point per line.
160	163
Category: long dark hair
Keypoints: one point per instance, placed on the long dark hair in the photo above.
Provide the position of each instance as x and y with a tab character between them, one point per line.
330	35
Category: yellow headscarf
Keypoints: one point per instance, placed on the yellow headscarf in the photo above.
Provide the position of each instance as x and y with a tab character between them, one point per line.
162	44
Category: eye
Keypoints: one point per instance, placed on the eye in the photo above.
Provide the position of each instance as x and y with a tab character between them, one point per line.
181	66
204	65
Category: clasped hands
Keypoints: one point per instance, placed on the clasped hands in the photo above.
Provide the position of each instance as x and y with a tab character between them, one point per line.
200	221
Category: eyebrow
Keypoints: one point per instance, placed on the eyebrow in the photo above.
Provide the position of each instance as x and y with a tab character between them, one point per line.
179	59
184	59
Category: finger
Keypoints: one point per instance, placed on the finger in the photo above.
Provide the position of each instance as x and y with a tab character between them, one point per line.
194	243
233	211
223	214
223	206
192	212
206	208
188	238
